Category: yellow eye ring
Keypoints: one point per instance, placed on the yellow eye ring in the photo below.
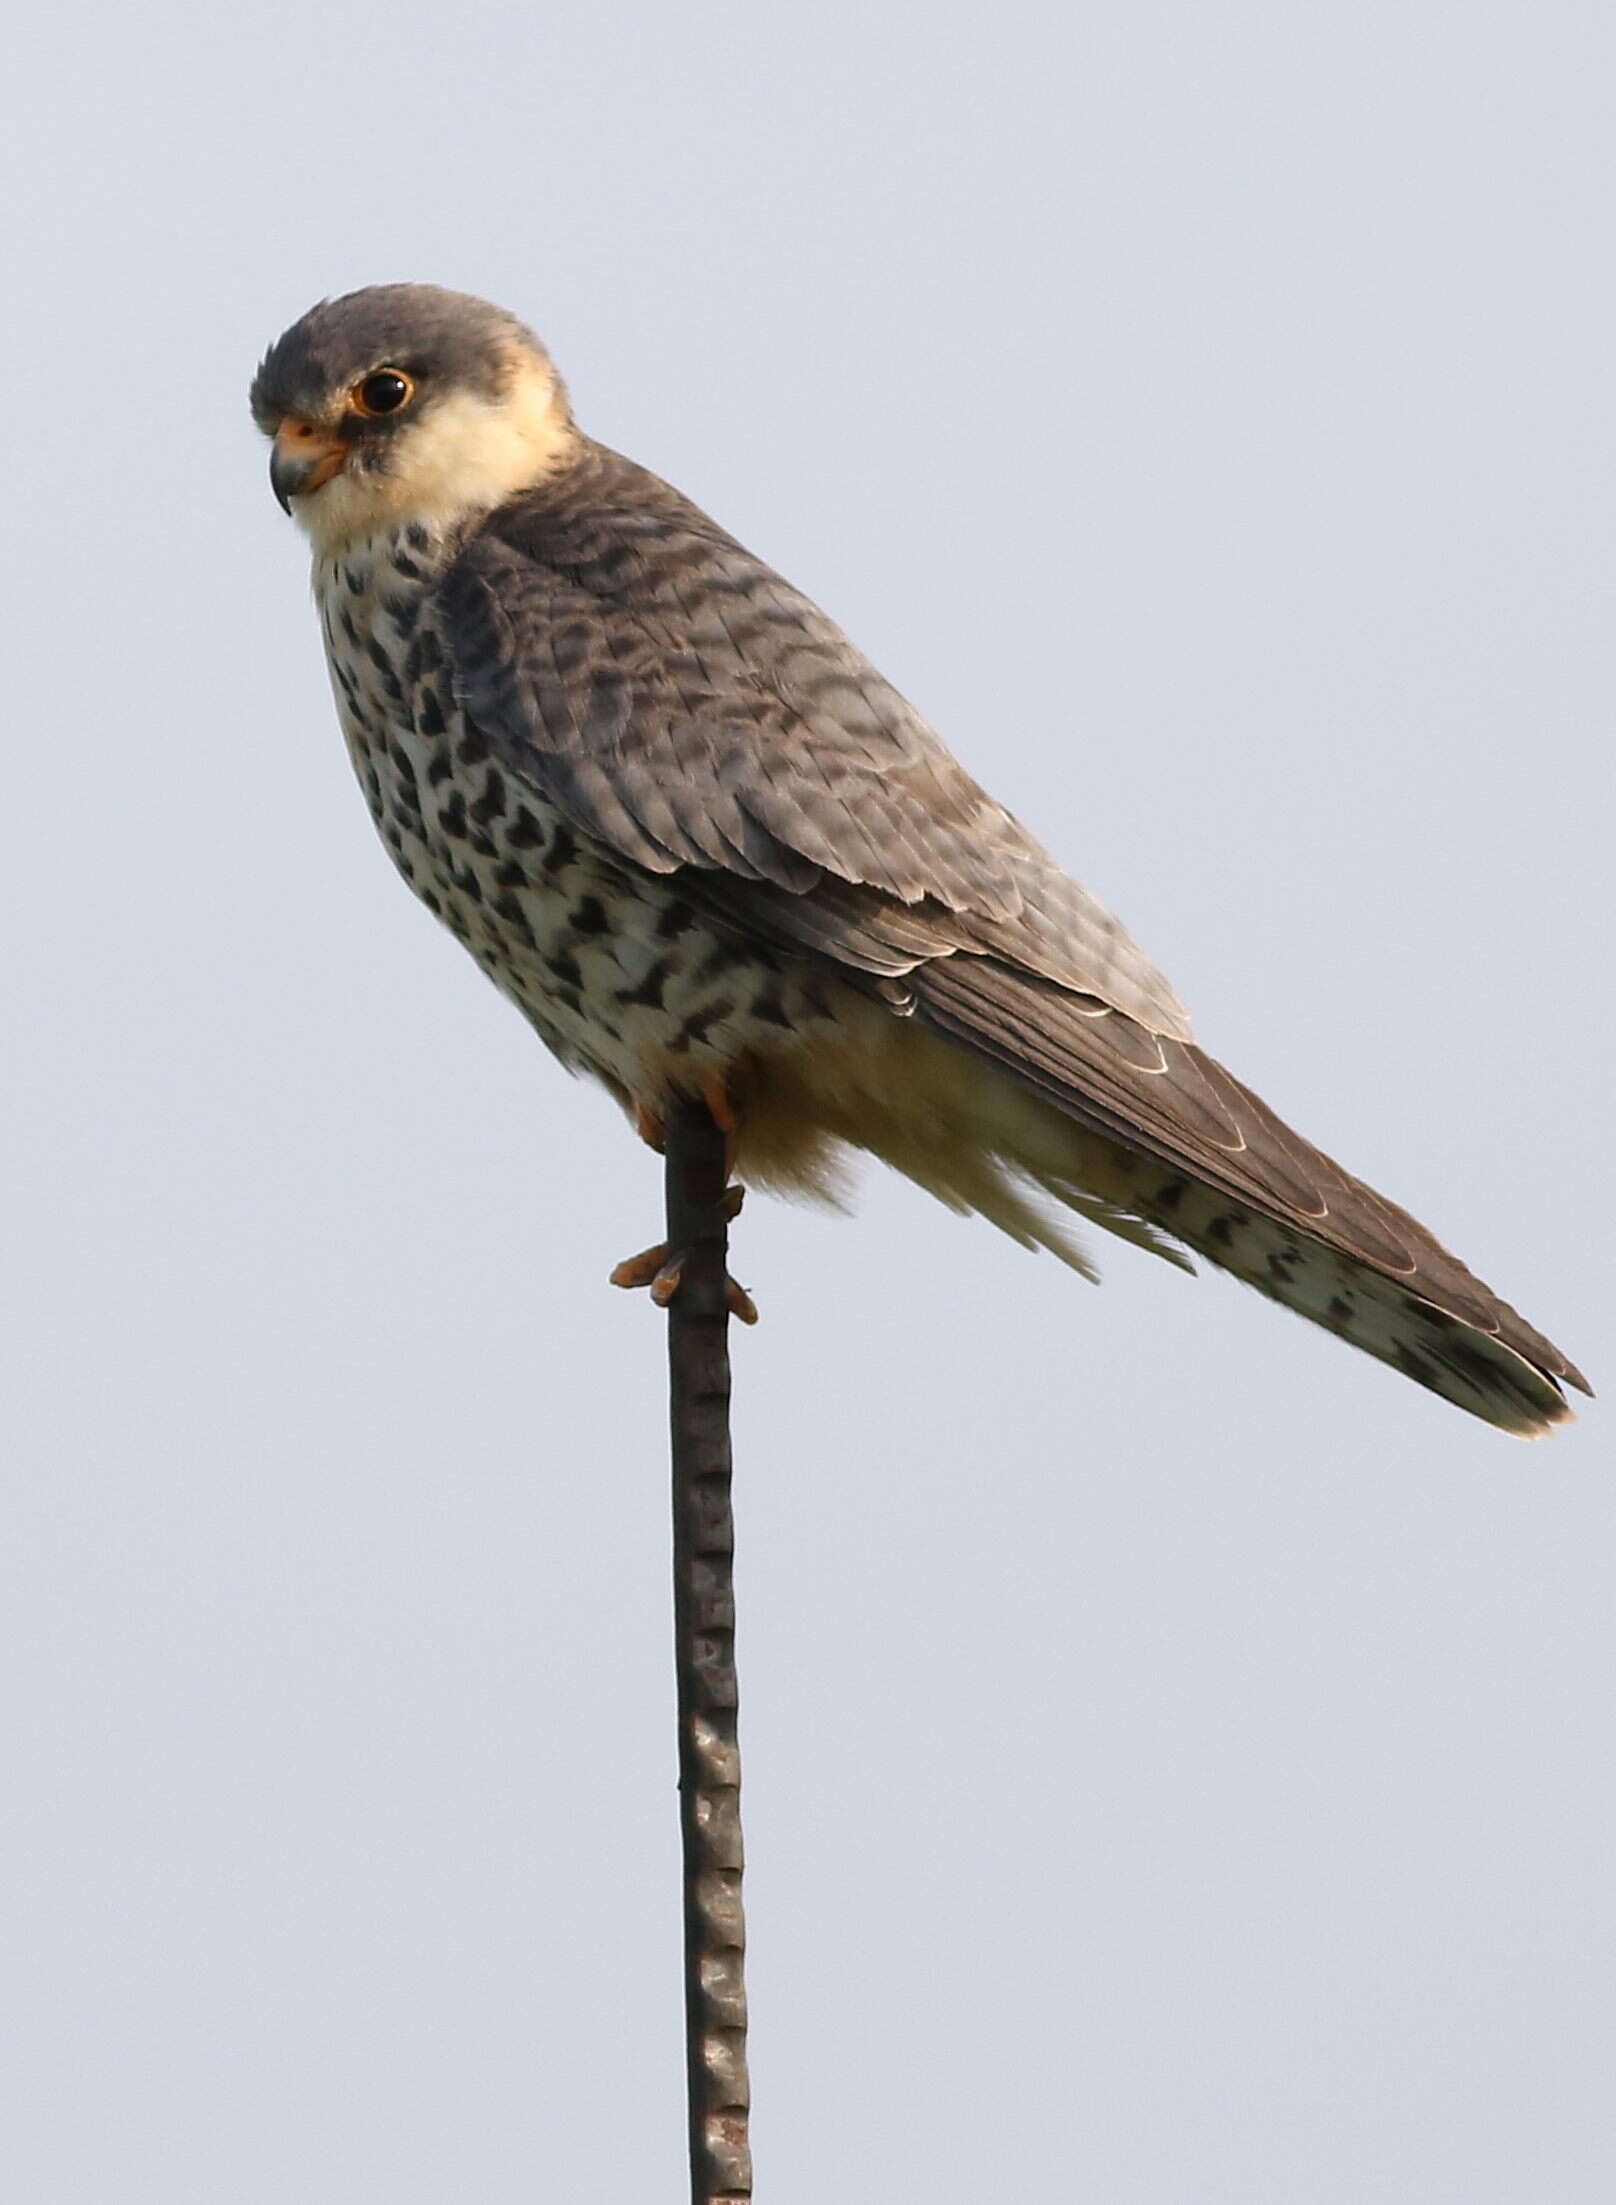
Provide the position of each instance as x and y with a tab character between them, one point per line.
384	391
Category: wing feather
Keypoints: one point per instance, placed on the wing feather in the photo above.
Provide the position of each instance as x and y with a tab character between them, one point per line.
1194	1117
684	706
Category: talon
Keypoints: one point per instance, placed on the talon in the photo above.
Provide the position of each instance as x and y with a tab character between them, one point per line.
643	1269
662	1271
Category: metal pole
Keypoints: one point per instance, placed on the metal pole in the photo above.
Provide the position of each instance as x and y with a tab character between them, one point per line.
704	1655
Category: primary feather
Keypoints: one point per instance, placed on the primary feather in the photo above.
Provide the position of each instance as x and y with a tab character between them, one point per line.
681	703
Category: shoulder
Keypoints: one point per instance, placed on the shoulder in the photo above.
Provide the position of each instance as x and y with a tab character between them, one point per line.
608	566
603	518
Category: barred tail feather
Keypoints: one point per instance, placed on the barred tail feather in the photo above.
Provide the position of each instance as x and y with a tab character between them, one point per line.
1382	1316
1013	1099
1158	1131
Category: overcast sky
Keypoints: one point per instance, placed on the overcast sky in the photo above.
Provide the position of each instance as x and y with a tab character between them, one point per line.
1178	1752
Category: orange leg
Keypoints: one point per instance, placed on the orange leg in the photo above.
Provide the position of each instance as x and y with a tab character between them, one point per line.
648	1117
716	1096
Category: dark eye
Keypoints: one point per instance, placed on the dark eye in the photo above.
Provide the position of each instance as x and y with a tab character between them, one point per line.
383	392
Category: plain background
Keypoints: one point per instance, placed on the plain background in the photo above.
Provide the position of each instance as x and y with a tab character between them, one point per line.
1178	1753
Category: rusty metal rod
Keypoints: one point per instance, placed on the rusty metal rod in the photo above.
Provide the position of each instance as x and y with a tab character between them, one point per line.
704	1657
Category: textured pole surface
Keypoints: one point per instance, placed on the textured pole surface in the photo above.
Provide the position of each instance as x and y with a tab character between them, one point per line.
704	1652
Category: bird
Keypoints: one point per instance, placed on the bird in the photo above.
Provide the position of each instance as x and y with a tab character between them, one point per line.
704	848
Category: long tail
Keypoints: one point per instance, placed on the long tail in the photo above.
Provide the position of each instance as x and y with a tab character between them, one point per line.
1470	1364
1014	1099
1140	1127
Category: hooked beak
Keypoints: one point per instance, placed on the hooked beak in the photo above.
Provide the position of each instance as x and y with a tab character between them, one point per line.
301	458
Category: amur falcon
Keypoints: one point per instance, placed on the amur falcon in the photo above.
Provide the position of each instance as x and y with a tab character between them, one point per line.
703	846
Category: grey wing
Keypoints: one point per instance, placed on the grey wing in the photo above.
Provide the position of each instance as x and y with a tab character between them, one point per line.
685	707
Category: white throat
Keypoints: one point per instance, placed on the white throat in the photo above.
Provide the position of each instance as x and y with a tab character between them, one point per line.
468	455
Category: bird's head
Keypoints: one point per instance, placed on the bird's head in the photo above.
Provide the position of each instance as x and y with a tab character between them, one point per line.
406	403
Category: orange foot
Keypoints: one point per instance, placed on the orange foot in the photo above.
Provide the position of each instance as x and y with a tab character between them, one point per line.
661	1268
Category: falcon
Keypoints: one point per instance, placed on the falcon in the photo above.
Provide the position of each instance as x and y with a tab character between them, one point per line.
705	848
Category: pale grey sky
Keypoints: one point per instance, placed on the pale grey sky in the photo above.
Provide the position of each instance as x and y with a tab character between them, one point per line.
1173	1744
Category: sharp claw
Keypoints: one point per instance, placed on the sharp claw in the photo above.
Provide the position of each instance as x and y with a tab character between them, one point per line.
662	1270
643	1269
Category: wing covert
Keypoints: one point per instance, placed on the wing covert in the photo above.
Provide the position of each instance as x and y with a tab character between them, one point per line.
685	707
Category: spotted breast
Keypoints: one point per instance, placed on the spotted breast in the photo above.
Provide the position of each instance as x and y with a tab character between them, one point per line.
614	968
